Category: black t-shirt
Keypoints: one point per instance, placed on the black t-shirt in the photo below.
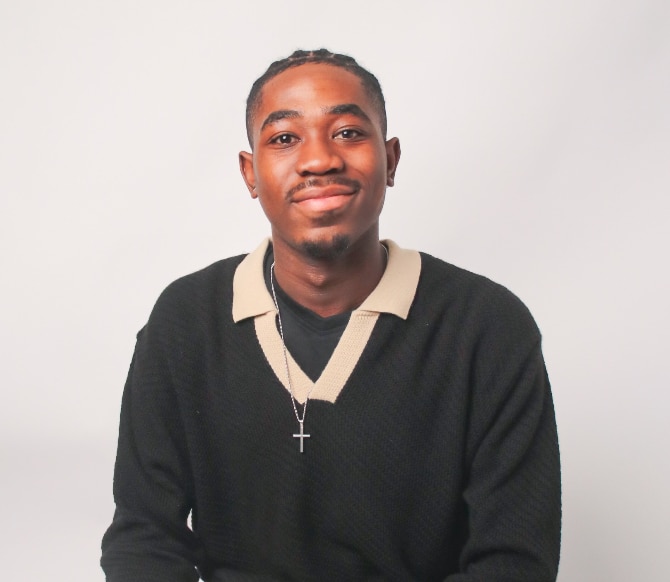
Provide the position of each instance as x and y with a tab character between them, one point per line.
310	338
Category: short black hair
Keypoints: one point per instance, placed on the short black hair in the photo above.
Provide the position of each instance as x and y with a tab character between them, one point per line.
320	56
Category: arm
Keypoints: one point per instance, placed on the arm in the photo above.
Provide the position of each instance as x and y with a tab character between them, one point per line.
149	539
513	494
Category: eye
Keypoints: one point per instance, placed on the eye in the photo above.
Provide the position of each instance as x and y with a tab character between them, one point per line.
348	134
284	139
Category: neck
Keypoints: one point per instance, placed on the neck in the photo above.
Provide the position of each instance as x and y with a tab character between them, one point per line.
334	285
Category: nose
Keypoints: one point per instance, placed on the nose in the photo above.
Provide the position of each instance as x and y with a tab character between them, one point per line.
319	156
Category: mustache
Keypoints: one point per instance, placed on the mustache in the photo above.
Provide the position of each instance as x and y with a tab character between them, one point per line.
320	182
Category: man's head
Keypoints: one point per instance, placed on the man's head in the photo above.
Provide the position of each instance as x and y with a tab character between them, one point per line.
320	56
320	162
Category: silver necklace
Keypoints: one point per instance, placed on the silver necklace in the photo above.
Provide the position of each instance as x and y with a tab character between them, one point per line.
301	421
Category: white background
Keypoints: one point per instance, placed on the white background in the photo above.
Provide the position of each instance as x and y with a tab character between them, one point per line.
536	150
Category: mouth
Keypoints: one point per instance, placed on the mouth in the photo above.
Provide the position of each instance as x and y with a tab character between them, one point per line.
322	192
322	200
318	196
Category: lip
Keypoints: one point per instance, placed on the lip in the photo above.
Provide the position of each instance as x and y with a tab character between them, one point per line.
320	199
325	203
316	193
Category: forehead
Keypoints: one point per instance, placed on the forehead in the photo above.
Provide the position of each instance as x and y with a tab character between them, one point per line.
311	88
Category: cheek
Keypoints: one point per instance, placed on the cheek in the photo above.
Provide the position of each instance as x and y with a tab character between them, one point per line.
274	181
376	176
375	166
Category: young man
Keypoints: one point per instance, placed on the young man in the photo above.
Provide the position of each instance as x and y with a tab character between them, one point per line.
333	407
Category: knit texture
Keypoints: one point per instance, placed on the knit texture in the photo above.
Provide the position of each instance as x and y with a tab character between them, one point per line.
438	460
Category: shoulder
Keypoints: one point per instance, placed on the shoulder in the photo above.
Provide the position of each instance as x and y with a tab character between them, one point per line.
206	280
197	295
472	301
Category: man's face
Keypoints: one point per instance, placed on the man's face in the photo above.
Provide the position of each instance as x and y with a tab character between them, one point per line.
320	165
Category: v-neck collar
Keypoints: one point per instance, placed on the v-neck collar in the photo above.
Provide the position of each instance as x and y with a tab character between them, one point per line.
394	294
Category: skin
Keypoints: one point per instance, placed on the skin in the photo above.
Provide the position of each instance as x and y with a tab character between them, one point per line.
320	167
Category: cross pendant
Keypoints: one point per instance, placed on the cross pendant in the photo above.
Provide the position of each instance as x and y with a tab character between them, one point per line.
302	436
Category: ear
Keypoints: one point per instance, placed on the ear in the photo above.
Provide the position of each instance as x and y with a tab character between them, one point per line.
247	170
392	159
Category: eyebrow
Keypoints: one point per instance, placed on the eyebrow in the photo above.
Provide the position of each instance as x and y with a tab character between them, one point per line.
279	115
343	109
350	109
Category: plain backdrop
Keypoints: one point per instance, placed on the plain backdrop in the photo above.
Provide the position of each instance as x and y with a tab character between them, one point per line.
536	151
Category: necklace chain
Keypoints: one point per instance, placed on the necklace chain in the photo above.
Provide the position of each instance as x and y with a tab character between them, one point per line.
283	343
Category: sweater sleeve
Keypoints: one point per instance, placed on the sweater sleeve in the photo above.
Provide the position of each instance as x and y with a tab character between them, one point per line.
149	538
513	494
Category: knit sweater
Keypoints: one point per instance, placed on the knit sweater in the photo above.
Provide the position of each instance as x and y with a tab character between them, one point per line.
433	456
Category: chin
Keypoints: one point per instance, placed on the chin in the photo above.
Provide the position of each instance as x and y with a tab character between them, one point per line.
326	249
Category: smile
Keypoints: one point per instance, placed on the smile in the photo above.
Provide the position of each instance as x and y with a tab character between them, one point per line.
324	198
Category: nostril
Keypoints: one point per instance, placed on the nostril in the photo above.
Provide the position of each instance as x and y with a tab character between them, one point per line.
319	160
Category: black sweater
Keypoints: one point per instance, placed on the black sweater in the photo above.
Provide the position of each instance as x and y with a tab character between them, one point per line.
438	461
